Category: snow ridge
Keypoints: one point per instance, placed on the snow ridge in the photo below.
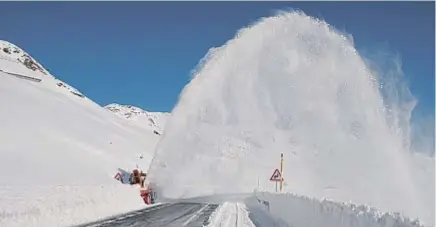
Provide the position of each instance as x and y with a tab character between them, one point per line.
297	210
11	52
16	62
154	120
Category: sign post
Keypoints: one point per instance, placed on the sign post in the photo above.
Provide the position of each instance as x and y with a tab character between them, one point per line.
281	171
276	176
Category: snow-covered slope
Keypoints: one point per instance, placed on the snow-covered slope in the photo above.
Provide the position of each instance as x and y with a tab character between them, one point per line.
292	84
59	153
154	121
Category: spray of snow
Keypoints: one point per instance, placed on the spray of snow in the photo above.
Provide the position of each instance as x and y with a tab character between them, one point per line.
292	84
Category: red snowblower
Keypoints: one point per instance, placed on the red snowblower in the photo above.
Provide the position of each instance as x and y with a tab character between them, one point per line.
137	177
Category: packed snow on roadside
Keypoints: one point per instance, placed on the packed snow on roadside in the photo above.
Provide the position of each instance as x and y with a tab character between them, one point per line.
59	153
231	214
277	209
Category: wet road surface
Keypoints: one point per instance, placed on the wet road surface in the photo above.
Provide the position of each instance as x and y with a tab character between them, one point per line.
173	214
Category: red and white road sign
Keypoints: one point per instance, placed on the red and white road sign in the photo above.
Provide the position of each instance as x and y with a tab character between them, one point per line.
118	176
276	176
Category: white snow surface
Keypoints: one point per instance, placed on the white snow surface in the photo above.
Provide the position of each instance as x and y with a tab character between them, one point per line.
231	214
293	84
14	60
12	53
59	153
275	209
151	120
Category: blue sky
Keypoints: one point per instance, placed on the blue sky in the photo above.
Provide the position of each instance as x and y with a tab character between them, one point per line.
141	53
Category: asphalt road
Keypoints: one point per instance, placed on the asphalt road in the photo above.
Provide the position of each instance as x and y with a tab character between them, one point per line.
172	214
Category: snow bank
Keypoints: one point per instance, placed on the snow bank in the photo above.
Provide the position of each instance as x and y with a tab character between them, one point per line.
63	205
59	154
299	211
293	84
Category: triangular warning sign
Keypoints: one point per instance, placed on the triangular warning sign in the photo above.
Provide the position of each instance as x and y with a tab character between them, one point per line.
277	176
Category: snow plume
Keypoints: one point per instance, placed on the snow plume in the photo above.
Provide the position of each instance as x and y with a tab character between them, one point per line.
423	135
397	97
417	129
293	84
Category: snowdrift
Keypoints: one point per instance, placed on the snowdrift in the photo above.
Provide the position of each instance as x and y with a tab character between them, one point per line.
293	84
59	153
275	209
64	205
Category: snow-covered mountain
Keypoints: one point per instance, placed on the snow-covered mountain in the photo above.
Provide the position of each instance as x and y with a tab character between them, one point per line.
152	120
59	150
16	62
11	52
